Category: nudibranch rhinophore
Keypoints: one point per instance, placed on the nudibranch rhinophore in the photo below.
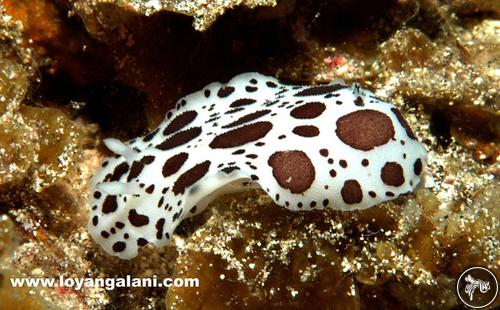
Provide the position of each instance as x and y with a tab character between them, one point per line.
309	147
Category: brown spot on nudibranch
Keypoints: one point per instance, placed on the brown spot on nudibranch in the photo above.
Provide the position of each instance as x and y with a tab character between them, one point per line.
403	123
179	138
138	166
306	131
159	228
308	110
417	167
119	171
190	177
392	174
173	164
137	219
110	204
119	246
351	192
180	122
359	101
242	102
247	118
225	91
241	135
365	129
292	170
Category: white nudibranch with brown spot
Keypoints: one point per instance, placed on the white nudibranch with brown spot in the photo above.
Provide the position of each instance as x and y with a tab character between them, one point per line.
309	147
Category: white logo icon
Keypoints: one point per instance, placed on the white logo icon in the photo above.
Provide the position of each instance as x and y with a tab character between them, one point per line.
484	286
477	287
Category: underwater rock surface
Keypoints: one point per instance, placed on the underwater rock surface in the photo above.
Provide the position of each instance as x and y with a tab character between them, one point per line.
75	72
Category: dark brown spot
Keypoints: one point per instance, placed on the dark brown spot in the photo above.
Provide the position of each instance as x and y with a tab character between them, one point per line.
110	204
137	219
308	110
228	170
325	202
119	246
207	93
250	89
271	84
417	167
173	164
150	189
372	194
225	91
365	129
247	118
333	173
392	174
365	162
142	242
119	225
238	152
242	102
104	234
180	138
180	122
241	135
160	202
389	194
323	152
97	194
159	228
151	135
95	220
351	192
359	101
306	131
190	177
343	163
119	171
138	166
403	123
293	170
320	90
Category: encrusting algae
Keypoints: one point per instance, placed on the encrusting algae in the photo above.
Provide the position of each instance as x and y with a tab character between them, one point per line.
75	72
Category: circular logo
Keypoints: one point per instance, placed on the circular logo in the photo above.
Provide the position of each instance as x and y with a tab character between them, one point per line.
477	287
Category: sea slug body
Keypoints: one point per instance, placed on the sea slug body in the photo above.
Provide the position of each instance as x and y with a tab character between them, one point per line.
309	147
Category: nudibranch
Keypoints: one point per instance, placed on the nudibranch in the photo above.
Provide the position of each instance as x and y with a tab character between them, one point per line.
309	147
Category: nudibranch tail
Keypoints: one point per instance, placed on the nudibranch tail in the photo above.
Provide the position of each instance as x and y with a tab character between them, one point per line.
308	147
